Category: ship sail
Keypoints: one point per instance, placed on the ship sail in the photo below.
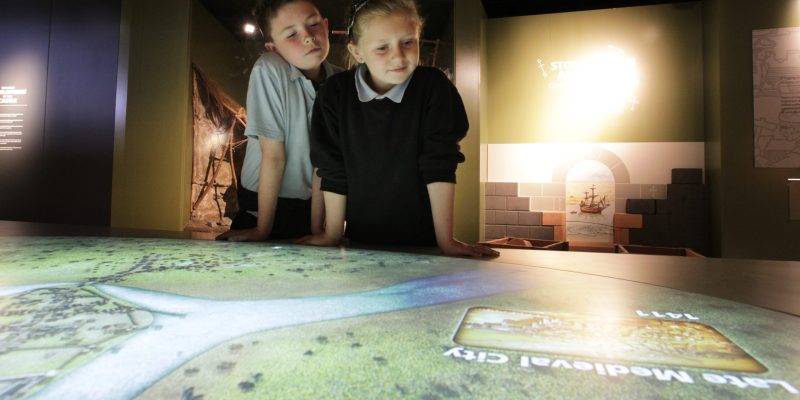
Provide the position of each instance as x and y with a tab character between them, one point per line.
589	205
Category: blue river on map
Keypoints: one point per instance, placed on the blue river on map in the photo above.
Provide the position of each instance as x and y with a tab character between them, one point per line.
186	327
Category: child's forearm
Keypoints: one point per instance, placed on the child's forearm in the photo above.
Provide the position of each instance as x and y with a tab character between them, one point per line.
442	195
335	207
317	205
270	177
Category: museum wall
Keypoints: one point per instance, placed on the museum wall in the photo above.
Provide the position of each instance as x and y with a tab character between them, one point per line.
533	102
58	70
484	131
221	65
219	55
469	20
750	205
711	122
153	159
152	154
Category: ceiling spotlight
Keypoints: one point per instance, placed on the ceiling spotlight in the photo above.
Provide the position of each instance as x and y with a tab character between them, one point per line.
249	28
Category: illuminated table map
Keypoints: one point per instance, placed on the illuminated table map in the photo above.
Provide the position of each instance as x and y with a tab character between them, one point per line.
120	318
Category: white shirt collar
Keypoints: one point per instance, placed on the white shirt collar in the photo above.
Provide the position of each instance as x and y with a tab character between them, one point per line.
366	94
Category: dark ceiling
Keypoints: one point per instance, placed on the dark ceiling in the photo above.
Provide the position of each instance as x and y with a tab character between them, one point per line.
234	13
514	8
438	13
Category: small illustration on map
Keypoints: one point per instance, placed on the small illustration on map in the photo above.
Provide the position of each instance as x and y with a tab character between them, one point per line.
675	343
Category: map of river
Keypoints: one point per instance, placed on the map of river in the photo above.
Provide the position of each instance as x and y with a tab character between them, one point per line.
123	318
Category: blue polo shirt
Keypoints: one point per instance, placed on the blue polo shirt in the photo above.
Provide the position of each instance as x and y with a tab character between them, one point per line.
280	101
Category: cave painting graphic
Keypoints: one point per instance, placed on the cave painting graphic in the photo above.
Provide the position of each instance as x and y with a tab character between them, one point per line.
590	202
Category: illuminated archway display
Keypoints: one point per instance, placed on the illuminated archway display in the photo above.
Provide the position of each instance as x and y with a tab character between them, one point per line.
590	202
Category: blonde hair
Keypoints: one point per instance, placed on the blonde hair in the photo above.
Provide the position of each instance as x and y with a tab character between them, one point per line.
362	11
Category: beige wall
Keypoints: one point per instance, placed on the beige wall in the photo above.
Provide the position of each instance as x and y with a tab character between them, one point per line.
665	40
219	55
152	154
750	205
484	133
469	17
153	143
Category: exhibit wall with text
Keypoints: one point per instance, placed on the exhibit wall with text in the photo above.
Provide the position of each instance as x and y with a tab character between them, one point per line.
58	73
751	205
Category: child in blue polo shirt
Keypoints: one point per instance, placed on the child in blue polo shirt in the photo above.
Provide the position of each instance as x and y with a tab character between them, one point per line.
275	195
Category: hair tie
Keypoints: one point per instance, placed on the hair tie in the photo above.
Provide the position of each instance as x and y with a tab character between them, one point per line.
356	7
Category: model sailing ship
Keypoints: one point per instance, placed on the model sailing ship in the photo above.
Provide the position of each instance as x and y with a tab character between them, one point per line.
589	205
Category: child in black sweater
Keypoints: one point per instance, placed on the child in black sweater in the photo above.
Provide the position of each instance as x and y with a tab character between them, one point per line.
384	138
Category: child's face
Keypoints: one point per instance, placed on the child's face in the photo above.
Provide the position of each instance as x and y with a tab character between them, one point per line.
389	45
300	35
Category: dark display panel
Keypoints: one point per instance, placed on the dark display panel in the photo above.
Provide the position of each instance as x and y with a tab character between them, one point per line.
24	47
63	55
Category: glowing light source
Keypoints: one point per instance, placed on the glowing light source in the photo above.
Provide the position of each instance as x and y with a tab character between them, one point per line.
589	92
609	82
249	28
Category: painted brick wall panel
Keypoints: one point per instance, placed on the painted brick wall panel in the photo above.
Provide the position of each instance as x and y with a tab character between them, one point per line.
554	218
530	218
518	203
687	175
490	217
542	204
622	220
658	223
543	233
519	231
640	206
496	203
686	191
560	233
505	218
554	189
622	236
663	207
495	231
530	189
491	189
506	189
